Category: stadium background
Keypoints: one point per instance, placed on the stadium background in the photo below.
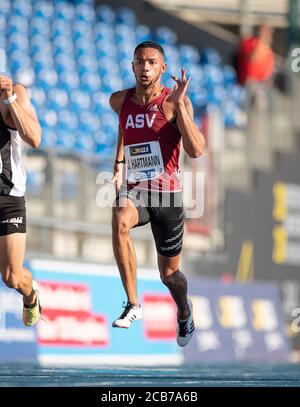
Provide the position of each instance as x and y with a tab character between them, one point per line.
242	257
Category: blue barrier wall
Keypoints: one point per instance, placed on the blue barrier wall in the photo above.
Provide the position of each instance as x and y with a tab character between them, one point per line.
17	342
237	322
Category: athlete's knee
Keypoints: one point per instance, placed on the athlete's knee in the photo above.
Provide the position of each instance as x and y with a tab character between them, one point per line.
173	278
10	279
121	224
169	278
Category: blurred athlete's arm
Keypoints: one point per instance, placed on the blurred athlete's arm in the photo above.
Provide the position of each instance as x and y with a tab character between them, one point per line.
20	113
116	102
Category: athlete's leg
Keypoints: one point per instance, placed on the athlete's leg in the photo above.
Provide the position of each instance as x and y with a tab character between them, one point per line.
167	224
176	283
12	249
124	217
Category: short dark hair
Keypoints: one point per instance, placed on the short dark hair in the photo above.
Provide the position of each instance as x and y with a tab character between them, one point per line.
150	44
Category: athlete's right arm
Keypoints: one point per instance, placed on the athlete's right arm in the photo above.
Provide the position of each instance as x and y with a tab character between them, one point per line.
118	167
116	101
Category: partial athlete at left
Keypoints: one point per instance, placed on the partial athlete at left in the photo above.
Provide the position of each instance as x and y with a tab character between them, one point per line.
18	124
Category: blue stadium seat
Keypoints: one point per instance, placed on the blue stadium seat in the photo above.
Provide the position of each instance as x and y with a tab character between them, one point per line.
17	24
165	35
25	75
5	6
57	98
229	75
216	95
124	34
213	75
80	100
85	12
68	80
189	54
101	101
90	81
47	79
84	142
21	8
210	56
143	33
105	49
42	8
237	94
40	26
126	16
106	14
104	31
68	119
38	96
65	140
64	11
199	98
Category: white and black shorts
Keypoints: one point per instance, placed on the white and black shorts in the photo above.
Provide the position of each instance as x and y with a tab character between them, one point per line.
12	215
164	211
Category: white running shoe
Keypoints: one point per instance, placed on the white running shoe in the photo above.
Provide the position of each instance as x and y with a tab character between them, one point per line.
185	329
131	313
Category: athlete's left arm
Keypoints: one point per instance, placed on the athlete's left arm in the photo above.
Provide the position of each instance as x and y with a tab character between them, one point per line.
192	139
23	117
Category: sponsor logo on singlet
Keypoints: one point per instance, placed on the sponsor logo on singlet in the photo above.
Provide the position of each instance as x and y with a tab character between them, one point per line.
154	108
140	150
148	174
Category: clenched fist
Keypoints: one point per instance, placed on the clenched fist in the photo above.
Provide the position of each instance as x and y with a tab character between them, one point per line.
6	87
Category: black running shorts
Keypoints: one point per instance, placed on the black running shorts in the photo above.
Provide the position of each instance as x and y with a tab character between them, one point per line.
164	211
12	215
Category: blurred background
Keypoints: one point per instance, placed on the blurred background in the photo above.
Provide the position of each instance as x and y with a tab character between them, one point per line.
241	257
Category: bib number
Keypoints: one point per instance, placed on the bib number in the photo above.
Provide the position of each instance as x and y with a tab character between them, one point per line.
143	161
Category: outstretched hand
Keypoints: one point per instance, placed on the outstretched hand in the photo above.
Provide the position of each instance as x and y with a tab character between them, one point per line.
180	87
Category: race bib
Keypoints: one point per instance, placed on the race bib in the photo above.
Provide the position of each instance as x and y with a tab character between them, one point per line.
143	161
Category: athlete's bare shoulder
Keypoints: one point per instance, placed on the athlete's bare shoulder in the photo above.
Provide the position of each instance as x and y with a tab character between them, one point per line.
116	100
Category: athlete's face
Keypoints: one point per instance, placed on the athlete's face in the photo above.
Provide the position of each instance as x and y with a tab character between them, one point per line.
148	65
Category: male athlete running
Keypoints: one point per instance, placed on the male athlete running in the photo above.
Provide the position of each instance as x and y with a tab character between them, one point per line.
152	121
18	122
